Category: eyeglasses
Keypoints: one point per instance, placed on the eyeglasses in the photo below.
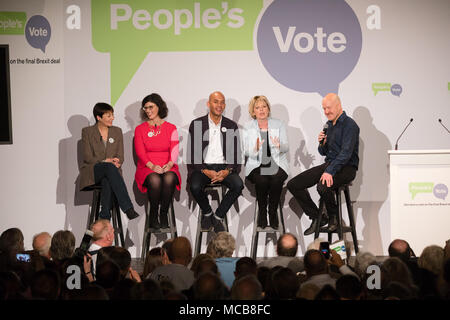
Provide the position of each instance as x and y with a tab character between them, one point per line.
148	108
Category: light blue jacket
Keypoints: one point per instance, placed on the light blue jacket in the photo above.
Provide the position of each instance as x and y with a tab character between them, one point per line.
251	133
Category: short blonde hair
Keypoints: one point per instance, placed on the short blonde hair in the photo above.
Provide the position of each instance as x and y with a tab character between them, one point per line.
432	259
252	103
222	245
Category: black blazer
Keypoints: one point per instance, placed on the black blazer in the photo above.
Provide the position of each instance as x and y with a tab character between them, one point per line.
199	136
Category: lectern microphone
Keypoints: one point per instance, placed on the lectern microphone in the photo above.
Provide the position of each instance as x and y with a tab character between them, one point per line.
396	143
440	121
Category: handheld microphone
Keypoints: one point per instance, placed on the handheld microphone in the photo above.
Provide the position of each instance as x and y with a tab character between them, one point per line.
440	121
325	129
396	143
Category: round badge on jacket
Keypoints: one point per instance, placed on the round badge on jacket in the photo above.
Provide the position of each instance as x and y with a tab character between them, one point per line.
111	140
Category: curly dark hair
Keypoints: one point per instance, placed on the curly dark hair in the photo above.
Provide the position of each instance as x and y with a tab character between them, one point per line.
160	103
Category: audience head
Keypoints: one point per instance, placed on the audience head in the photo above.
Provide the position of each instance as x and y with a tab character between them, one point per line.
41	243
180	251
222	245
167	287
104	254
432	259
362	261
206	265
260	101
287	245
10	285
400	248
122	258
315	263
349	287
246	288
397	291
152	261
209	286
148	289
122	290
394	269
11	241
107	274
327	293
263	275
165	249
198	258
92	292
284	284
308	291
446	272
62	245
103	233
245	266
45	284
153	100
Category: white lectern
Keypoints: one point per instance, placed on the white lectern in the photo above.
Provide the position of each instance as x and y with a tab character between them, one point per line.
420	202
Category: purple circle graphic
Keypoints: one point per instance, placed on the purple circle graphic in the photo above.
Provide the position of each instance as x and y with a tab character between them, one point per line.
440	191
309	45
396	90
38	32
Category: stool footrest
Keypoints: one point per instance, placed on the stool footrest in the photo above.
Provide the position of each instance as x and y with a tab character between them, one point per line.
159	230
344	230
267	230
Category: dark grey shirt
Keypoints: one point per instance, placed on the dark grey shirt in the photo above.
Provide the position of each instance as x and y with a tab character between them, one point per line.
181	276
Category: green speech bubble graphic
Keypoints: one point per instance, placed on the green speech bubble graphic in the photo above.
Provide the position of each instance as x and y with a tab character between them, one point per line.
12	22
420	187
380	86
129	30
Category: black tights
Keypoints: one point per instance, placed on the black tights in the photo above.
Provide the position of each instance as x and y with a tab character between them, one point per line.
160	189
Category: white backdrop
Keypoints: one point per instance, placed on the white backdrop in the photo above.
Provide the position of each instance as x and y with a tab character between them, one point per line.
51	103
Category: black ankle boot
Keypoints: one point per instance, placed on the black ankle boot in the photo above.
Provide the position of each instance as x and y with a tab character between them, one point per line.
163	220
154	221
262	219
131	214
273	219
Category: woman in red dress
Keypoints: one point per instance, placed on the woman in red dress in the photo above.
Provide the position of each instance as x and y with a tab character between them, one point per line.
156	145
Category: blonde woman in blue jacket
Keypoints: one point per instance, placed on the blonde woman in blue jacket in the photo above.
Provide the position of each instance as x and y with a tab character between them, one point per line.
266	146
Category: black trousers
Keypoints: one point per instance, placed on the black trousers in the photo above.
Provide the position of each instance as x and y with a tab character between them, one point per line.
268	186
108	176
299	185
233	182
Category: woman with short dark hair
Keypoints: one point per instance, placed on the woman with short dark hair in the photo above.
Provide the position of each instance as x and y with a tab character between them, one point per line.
102	146
156	144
